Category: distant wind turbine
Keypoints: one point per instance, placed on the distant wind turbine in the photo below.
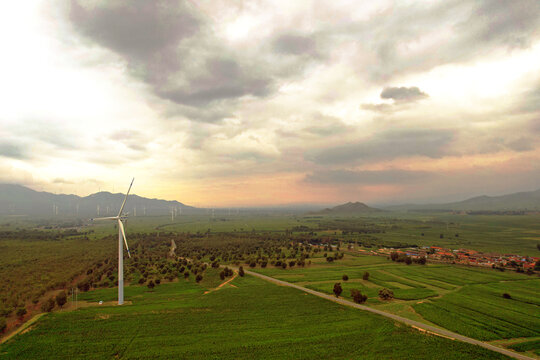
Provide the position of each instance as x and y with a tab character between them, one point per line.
121	235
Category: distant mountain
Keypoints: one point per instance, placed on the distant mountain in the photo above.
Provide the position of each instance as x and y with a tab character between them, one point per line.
20	200
529	200
349	208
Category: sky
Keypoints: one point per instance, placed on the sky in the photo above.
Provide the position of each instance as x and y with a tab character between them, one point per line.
254	103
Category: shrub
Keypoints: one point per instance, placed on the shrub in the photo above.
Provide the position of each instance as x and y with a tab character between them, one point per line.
292	263
365	276
241	271
222	275
506	296
198	278
284	265
386	294
151	284
408	260
345	277
21	312
264	263
142	280
252	264
337	289
3	324
358	297
48	305
61	298
329	259
186	274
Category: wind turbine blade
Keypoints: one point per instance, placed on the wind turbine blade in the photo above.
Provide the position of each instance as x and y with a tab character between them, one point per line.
106	218
124	203
121	226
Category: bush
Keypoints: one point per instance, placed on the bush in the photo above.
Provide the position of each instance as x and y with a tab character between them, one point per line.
3	324
337	289
21	312
186	274
198	278
329	259
158	281
292	263
252	264
151	284
506	296
408	260
345	277
222	275
284	265
357	296
48	305
61	299
365	276
142	280
241	271
386	294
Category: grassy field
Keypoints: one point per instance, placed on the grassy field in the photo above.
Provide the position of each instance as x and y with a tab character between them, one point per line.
466	300
250	319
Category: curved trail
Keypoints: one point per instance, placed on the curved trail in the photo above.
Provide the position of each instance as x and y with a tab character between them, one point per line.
415	324
223	283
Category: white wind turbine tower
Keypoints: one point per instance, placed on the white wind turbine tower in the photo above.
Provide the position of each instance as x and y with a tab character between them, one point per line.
121	235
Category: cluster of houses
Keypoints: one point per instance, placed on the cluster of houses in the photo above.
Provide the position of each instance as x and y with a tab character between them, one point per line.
466	257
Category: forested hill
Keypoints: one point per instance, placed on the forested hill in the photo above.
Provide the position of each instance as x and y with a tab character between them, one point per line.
20	200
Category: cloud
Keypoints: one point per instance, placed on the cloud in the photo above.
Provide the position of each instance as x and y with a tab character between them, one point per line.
403	94
294	44
171	47
386	145
363	177
13	150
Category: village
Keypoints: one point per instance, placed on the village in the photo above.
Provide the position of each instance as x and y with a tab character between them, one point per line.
464	257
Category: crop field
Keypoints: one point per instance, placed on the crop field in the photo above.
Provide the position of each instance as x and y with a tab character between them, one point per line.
247	319
466	300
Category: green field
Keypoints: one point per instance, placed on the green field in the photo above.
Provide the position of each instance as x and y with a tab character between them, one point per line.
466	300
255	319
39	258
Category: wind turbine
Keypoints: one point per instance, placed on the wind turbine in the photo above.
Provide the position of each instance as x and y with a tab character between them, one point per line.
121	235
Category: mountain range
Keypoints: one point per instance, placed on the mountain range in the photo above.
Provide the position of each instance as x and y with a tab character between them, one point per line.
20	200
527	200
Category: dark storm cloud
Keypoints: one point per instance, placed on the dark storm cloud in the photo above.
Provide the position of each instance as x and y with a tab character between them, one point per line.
363	177
294	44
169	45
13	150
403	94
385	146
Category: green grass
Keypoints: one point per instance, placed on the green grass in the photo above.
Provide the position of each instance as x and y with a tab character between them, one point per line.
533	346
254	320
466	300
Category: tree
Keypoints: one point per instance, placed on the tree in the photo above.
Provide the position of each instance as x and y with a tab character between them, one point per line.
61	298
48	305
186	274
151	284
365	276
357	296
345	277
386	294
337	289
198	278
21	312
222	275
241	271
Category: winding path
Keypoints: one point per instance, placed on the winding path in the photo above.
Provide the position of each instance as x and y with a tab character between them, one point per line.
415	324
